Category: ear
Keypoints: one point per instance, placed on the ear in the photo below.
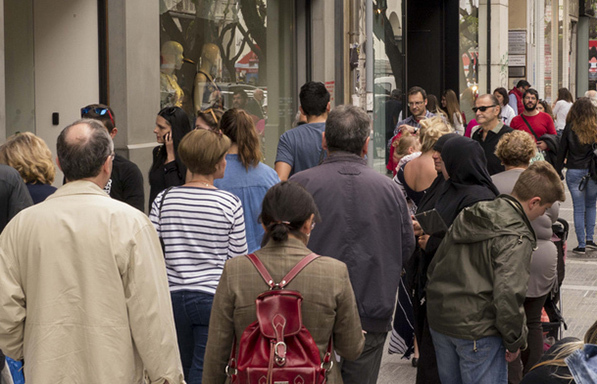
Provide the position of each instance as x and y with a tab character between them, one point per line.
302	111
114	132
306	228
58	163
324	143
365	147
328	107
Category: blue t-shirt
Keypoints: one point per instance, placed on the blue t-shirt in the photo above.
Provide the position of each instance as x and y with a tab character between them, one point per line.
301	147
250	186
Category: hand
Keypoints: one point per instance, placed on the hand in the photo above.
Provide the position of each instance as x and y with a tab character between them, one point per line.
169	143
417	227
511	356
423	241
406	128
542	146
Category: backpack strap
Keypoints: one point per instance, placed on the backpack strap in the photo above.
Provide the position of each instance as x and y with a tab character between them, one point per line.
289	276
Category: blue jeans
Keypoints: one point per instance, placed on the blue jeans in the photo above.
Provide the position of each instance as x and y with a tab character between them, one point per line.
461	361
583	203
191	317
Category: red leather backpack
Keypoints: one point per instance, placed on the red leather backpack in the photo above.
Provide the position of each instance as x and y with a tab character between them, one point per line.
277	348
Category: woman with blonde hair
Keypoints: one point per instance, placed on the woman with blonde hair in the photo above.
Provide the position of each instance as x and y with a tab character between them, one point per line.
246	176
30	155
576	147
200	227
417	175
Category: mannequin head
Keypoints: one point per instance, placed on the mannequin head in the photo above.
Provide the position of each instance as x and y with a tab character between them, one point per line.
172	57
210	54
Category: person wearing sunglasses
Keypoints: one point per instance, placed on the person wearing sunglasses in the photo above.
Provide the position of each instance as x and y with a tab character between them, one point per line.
167	170
490	129
126	181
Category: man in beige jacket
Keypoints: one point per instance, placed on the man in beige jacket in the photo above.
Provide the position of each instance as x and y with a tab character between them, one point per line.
83	289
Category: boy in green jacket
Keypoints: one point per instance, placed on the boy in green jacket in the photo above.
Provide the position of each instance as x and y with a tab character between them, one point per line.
478	280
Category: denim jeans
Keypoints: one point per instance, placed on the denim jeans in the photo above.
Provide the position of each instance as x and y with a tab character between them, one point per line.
583	203
462	361
191	317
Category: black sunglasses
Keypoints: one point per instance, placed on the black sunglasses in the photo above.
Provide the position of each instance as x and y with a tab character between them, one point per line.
98	111
483	108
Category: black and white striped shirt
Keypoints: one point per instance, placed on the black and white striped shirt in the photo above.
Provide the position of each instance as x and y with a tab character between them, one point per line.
201	229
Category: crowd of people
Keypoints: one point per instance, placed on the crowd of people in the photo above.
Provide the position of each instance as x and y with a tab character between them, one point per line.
92	290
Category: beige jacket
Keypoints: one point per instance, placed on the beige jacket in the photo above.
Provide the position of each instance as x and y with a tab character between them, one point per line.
329	306
83	292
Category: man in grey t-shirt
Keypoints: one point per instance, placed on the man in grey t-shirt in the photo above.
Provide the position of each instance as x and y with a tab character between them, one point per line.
300	148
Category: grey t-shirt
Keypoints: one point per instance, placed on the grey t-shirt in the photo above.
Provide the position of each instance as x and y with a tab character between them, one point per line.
301	147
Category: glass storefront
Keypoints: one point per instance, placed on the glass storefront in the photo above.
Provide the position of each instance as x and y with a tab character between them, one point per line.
388	76
214	49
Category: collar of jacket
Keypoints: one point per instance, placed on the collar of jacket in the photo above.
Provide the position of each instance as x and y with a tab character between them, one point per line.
338	156
79	187
289	243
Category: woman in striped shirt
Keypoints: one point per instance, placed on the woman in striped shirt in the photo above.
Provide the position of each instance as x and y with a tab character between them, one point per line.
201	227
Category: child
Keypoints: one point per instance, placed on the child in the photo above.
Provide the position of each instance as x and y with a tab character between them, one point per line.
405	145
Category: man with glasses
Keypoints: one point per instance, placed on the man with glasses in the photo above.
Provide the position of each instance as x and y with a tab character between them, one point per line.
417	104
531	120
490	129
126	181
84	294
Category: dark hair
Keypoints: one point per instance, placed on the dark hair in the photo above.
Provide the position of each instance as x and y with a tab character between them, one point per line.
564	94
314	98
285	209
240	92
180	125
211	116
83	156
504	92
531	91
239	127
347	129
415	90
523	83
108	120
432	104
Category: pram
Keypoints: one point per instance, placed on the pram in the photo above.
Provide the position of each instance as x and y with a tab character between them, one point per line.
553	305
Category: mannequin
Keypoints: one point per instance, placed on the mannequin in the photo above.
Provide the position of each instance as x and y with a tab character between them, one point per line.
204	83
171	95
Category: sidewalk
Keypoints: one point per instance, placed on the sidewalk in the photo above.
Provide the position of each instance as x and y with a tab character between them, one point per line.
579	303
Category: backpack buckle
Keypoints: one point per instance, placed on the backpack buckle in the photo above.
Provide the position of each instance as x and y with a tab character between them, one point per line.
280	352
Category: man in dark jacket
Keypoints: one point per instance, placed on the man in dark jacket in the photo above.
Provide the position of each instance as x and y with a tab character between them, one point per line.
365	224
478	280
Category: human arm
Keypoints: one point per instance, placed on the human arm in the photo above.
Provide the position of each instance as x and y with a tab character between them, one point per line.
284	158
511	267
283	170
563	149
458	126
149	308
348	335
549	125
513	102
13	310
237	242
221	333
15	193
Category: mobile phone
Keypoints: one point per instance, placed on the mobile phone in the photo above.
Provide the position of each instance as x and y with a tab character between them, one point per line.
166	136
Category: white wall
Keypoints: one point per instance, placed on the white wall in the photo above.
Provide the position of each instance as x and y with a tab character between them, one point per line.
66	64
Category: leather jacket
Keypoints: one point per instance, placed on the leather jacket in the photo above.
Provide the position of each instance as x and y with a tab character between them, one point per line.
577	155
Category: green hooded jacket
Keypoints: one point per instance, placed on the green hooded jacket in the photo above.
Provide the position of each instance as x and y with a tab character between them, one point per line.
478	278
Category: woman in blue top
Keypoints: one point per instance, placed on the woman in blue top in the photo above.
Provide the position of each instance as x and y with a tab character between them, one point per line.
245	175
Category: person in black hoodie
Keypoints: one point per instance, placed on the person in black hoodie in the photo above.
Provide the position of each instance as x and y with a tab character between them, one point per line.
466	182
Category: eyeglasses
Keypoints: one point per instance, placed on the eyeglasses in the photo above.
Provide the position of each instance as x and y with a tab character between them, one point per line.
98	111
483	108
416	103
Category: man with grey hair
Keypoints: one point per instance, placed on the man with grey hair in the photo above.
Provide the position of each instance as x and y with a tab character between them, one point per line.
365	224
83	290
592	95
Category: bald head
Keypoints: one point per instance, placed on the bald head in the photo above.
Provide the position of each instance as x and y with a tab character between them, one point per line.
83	148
